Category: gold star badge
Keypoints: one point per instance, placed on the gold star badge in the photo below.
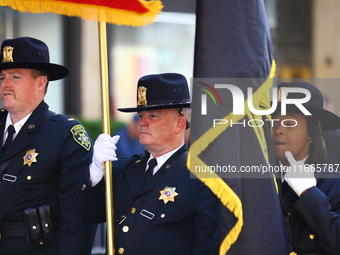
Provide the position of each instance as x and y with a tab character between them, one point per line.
168	194
30	157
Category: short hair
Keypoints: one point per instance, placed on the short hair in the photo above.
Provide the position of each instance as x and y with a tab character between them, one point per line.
317	153
37	73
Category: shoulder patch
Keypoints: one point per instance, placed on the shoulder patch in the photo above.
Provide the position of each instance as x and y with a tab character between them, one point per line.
81	137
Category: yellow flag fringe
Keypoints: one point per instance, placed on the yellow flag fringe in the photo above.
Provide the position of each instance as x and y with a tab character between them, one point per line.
220	188
90	12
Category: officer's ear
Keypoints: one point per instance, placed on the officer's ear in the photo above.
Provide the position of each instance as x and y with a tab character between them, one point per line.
42	82
181	124
187	123
182	118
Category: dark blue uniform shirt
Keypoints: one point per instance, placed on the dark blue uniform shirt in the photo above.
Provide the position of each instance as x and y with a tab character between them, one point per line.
62	152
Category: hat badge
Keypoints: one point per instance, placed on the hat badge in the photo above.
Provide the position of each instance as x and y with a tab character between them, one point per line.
7	53
141	92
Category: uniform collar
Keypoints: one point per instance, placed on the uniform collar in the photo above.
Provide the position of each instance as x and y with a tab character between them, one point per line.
162	159
18	125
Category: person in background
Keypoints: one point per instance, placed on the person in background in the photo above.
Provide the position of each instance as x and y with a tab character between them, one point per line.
310	187
128	141
159	208
42	158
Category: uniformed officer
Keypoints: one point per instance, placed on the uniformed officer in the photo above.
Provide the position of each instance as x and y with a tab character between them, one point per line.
311	187
159	209
42	160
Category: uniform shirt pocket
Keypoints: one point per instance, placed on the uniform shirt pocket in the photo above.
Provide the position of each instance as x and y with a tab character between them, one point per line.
34	175
169	213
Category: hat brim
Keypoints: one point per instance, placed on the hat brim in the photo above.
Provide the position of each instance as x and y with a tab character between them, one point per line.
328	120
55	72
154	107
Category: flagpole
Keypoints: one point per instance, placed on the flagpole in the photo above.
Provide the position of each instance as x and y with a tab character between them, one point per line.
106	130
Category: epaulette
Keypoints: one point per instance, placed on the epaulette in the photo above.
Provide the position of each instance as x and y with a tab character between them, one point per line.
2	111
62	118
137	157
127	161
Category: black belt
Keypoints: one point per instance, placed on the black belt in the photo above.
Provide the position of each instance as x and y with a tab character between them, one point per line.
13	229
19	229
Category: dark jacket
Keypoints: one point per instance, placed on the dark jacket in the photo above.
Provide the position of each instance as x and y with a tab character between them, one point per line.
332	145
63	152
314	218
183	227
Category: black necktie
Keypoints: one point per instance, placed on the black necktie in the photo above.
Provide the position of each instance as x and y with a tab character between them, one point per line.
149	172
9	139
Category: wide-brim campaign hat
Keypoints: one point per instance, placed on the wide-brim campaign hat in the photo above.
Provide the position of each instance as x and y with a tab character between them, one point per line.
327	119
27	52
161	91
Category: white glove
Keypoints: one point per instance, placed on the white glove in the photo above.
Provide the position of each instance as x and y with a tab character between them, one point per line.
299	176
104	149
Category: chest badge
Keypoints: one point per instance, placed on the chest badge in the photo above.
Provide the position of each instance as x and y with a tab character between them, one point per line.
30	157
168	194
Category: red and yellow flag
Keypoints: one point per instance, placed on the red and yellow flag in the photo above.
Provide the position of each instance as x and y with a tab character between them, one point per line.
120	12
